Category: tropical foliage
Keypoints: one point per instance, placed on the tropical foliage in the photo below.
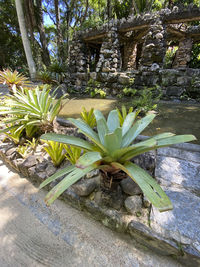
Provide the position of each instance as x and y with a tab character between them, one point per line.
72	153
14	134
55	151
110	150
30	110
14	80
147	99
88	117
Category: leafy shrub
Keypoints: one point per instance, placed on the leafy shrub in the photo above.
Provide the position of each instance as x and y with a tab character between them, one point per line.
88	117
46	77
27	148
30	110
169	56
111	151
14	80
129	91
72	153
146	101
94	90
55	151
58	71
14	134
23	150
97	92
195	56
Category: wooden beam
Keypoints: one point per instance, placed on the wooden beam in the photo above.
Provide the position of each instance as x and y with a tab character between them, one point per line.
94	37
133	28
176	32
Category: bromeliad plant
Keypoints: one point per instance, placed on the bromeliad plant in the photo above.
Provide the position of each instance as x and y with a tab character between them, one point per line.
30	110
111	150
14	80
88	117
72	153
55	151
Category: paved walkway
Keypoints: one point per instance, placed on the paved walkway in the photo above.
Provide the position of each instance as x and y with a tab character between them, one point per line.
33	235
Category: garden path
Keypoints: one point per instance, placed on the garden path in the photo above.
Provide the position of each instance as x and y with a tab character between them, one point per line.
33	235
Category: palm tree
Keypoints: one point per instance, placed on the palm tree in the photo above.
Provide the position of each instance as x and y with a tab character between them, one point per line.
25	40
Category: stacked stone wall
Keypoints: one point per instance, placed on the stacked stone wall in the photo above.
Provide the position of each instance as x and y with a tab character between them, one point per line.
120	62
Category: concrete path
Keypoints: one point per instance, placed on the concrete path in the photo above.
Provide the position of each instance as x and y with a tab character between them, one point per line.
33	235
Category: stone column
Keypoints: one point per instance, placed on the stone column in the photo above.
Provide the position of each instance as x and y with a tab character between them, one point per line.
154	47
110	58
78	63
78	56
130	53
183	54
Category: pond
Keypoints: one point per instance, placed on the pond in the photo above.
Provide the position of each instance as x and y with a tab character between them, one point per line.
178	118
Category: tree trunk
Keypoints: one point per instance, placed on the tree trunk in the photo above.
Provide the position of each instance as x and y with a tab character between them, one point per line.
43	40
59	34
109	9
25	40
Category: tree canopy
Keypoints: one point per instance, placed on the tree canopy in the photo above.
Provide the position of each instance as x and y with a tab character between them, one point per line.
51	23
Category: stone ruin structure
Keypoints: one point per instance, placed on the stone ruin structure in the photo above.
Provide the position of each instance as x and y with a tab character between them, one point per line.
131	53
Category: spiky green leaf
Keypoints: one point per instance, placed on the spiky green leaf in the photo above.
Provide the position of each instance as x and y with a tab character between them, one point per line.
113	121
69	140
149	186
137	128
87	159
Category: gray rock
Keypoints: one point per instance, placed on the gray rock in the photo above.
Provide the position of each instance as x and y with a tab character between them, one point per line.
50	169
93	75
179	173
174	91
42	175
32	172
110	199
29	162
159	36
133	204
146	161
155	67
182	223
185	151
41	166
130	187
4	147
10	151
123	79
85	187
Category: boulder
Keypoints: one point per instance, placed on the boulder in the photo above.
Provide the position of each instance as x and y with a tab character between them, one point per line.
133	204
130	187
85	187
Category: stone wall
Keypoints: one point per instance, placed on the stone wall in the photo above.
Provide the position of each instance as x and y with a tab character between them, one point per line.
136	48
182	83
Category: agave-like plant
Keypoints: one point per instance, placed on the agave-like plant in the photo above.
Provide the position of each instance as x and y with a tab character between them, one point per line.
27	108
55	151
72	153
88	117
14	80
111	150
